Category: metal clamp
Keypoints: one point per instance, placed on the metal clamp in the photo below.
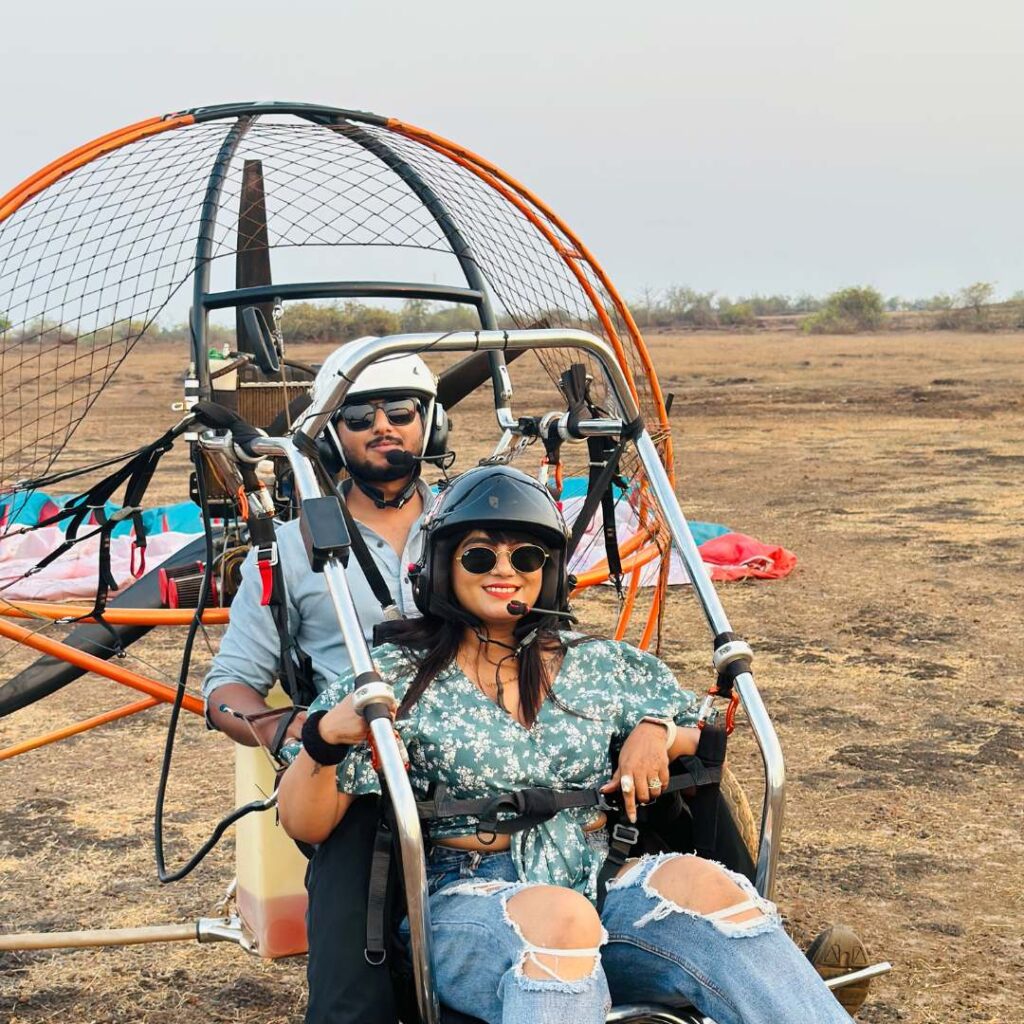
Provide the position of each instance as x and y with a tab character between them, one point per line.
734	650
373	693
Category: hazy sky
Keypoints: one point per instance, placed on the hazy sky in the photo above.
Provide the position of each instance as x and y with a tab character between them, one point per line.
741	146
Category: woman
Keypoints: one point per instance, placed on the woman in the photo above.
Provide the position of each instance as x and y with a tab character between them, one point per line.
493	700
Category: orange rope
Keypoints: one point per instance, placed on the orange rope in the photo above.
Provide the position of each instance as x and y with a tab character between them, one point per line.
34	184
79	727
115	616
90	663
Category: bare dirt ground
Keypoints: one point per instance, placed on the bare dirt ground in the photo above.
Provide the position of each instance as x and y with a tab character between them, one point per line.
890	662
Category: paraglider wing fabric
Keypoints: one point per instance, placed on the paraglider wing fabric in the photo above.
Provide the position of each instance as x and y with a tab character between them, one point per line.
74	574
726	555
735	556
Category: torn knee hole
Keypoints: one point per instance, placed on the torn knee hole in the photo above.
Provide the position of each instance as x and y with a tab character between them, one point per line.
474	887
563	965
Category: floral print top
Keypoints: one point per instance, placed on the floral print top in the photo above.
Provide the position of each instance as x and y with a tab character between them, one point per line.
454	734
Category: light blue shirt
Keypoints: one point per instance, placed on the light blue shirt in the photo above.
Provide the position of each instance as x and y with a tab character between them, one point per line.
250	651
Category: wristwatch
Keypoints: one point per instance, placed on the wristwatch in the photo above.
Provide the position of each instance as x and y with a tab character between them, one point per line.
667	724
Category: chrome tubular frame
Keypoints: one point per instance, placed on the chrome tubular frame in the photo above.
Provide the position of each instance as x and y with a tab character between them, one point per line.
362	353
391	761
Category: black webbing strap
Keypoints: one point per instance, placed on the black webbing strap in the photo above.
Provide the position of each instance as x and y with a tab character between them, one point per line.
602	472
538	804
377	895
285	719
602	448
295	677
704	803
365	559
621	840
136	474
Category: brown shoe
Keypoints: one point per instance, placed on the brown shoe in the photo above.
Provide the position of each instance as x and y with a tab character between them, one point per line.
838	950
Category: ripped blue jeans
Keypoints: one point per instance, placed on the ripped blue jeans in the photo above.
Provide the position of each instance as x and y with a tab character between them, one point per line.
653	952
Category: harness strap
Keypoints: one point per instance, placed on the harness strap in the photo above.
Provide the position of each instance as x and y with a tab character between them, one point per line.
136	474
365	559
295	678
377	896
621	840
602	470
538	804
604	454
704	804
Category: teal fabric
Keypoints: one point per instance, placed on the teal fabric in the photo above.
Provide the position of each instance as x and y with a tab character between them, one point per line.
454	734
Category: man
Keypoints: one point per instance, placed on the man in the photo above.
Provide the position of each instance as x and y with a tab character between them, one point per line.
390	419
378	435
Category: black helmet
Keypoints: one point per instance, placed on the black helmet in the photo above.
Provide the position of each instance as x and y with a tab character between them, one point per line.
495	497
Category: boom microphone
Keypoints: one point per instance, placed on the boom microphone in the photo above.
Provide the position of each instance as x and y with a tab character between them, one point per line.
404	460
522	608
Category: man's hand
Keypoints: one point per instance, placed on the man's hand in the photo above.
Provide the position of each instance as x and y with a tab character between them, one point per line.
643	772
247	701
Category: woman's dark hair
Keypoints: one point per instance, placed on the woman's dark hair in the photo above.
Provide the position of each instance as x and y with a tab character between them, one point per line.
433	642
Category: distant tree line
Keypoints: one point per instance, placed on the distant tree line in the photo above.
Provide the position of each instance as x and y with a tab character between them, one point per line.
846	311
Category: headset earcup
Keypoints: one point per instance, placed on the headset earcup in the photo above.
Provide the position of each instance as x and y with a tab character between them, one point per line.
420	580
437	432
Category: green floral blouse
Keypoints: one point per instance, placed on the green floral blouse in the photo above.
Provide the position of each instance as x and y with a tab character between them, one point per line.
456	735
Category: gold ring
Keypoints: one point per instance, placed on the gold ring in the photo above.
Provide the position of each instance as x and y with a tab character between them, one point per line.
654	782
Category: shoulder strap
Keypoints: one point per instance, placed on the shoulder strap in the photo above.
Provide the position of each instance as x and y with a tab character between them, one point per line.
366	561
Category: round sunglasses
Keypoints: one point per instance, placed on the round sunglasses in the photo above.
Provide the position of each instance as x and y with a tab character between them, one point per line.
526	558
360	416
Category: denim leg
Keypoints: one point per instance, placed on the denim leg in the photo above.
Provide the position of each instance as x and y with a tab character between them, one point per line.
479	954
749	972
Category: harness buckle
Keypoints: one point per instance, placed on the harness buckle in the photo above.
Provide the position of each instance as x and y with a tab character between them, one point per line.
628	834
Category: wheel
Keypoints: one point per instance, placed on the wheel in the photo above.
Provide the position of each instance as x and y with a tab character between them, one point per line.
735	799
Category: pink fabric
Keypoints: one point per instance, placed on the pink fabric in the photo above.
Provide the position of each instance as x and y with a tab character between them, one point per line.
74	574
736	556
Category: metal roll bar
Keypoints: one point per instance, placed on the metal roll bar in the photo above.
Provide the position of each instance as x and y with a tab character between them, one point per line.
355	357
358	355
392	765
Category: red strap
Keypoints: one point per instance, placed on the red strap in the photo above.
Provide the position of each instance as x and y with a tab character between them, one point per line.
266	568
140	551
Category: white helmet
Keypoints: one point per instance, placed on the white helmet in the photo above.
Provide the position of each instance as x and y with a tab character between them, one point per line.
398	376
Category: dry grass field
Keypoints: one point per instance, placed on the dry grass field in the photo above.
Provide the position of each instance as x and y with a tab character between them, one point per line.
890	661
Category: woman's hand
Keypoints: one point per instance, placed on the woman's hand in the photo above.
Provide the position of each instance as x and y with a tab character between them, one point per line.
642	773
343	724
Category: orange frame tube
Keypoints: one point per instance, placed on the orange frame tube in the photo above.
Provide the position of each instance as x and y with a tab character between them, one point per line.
530	205
115	616
46	176
78	727
487	170
73	656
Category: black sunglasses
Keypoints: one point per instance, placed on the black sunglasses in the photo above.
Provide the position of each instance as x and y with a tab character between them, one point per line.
399	411
525	558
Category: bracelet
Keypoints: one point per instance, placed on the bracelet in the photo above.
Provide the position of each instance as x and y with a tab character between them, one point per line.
317	747
668	724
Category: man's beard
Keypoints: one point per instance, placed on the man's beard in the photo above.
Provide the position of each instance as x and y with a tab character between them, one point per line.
373	474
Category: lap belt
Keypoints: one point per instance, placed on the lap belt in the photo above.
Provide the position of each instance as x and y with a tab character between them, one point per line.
538	804
531	807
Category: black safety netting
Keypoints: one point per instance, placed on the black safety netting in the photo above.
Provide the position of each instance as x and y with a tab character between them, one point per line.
104	256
